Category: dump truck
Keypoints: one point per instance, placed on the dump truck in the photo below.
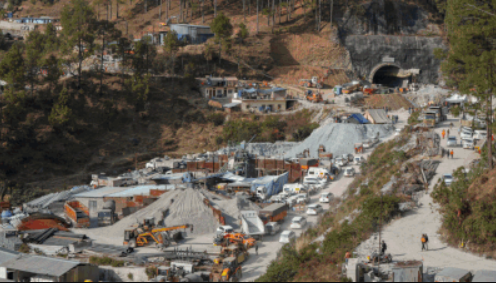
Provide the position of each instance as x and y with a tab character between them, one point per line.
313	83
107	216
274	213
252	225
430	118
78	214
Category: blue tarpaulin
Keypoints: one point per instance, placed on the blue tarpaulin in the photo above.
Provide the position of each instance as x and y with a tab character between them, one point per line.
359	118
273	184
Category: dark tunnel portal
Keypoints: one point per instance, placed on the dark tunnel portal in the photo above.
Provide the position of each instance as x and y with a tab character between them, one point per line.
387	76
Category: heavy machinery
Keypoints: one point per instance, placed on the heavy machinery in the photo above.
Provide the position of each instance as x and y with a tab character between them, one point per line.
226	270
314	97
237	251
236	238
313	83
107	216
147	233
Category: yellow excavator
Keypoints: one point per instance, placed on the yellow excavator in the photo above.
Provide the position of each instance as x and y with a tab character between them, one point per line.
147	233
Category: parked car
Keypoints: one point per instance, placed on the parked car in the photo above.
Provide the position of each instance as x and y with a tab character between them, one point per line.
358	160
314	209
341	162
272	228
225	230
448	179
287	237
349	172
314	181
326	197
302	198
468	143
348	157
466	135
480	135
452	141
298	222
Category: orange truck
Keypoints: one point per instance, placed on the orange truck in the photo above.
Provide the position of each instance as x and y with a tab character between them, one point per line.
315	97
78	214
275	212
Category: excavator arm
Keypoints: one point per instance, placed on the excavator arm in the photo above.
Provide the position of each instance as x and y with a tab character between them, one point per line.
167	229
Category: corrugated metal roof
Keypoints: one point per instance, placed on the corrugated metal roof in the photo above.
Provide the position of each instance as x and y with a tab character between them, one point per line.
7	255
140	190
100	193
186	25
232	105
484	276
41	265
453	273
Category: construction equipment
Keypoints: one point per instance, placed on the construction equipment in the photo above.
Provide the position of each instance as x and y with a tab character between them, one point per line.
314	97
237	251
107	216
313	83
236	238
147	233
226	270
78	214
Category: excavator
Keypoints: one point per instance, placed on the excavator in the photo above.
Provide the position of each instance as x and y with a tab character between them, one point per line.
147	233
226	270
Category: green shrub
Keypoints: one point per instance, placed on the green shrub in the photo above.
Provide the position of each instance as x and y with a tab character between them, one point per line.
216	118
151	272
413	119
130	276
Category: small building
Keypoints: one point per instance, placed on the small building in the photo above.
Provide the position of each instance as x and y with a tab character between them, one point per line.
29	268
43	20
192	34
451	274
263	100
357	119
219	87
377	116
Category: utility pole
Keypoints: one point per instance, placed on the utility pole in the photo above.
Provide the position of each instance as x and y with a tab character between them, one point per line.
257	17
160	11
380	227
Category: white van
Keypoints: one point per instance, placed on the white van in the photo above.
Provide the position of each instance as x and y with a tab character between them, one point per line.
318	172
294	188
298	222
480	135
272	228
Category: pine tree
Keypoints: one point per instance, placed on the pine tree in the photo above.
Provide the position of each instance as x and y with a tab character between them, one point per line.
471	60
223	30
61	116
12	67
137	91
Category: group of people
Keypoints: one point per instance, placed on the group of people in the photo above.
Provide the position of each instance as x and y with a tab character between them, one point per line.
448	153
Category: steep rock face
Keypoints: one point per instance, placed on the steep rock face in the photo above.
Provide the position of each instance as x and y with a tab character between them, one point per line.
369	53
386	17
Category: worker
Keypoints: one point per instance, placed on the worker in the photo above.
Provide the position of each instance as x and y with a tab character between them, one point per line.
452	154
384	247
424	242
444	134
347	256
256	249
448	133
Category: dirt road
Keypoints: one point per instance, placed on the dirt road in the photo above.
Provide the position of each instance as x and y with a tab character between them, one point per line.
403	235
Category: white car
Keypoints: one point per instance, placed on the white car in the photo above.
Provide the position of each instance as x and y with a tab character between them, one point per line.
452	141
468	144
326	197
466	135
341	162
314	209
302	198
358	160
272	228
314	181
480	135
287	237
448	179
298	222
349	172
225	230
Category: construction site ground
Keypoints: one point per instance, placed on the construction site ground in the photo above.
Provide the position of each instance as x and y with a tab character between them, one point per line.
404	234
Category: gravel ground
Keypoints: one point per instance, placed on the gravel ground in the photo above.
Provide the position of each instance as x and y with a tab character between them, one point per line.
339	138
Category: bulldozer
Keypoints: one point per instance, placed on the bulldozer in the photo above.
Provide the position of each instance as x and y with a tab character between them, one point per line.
237	238
145	234
226	270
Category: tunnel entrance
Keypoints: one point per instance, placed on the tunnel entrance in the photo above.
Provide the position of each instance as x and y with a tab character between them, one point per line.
389	76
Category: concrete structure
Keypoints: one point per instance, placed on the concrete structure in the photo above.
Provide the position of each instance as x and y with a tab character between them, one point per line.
16	29
219	88
484	276
408	271
192	34
376	116
451	274
27	268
